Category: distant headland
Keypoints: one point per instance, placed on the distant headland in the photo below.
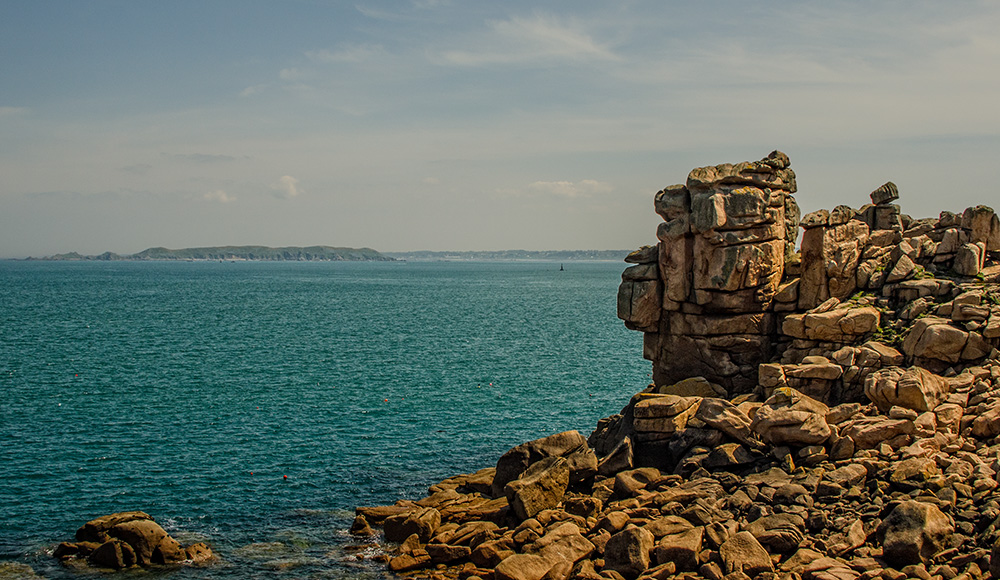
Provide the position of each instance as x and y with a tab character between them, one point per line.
335	254
511	255
248	253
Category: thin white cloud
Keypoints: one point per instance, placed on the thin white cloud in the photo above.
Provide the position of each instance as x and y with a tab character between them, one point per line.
12	111
536	39
290	74
565	189
287	187
137	169
220	196
206	158
351	53
253	90
430	4
376	14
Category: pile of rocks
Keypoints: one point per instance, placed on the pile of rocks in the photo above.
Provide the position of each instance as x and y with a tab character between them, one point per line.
828	415
128	539
703	487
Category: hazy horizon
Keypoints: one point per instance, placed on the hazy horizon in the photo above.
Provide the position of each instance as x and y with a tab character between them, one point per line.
433	125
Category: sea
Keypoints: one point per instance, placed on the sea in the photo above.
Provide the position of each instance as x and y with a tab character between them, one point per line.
254	405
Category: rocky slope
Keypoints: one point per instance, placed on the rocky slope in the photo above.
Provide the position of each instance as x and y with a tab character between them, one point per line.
831	414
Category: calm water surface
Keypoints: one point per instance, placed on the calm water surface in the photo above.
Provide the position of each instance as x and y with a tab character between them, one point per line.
189	390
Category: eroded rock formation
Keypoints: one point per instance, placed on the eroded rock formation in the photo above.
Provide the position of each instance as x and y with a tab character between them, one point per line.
128	539
831	414
724	290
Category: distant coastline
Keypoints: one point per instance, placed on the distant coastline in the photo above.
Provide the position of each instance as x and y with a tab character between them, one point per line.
241	253
334	254
511	255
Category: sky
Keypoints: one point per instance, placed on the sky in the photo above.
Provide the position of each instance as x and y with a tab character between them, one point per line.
450	125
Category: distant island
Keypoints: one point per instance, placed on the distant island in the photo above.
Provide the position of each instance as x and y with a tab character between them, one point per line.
487	255
335	254
248	253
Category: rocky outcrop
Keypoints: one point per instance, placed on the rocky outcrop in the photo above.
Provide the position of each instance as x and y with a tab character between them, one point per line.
702	292
724	290
832	414
127	539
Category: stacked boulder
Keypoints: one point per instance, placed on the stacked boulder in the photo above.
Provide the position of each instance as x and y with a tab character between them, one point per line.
128	539
716	298
703	294
828	415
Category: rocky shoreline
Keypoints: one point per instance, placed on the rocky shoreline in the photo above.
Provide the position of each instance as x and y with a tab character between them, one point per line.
826	414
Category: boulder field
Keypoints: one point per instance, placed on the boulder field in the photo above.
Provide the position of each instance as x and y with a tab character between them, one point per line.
831	413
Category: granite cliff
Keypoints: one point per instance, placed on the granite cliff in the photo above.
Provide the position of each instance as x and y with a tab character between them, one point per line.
830	413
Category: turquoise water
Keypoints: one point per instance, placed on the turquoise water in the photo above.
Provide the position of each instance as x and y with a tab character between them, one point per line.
189	390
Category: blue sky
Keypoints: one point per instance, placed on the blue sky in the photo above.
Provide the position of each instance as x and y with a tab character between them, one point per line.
448	125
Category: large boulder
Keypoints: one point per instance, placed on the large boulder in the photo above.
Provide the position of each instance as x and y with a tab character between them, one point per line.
145	537
681	548
913	388
627	552
830	254
114	555
582	462
935	338
639	304
126	539
96	530
913	532
726	417
522	567
840	324
663	414
779	532
422	522
562	543
743	553
540	487
790	418
869	432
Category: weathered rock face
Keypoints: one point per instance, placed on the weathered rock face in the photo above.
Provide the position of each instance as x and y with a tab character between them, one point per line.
725	290
127	539
722	249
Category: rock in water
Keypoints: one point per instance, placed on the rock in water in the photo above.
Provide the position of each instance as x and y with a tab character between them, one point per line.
127	539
